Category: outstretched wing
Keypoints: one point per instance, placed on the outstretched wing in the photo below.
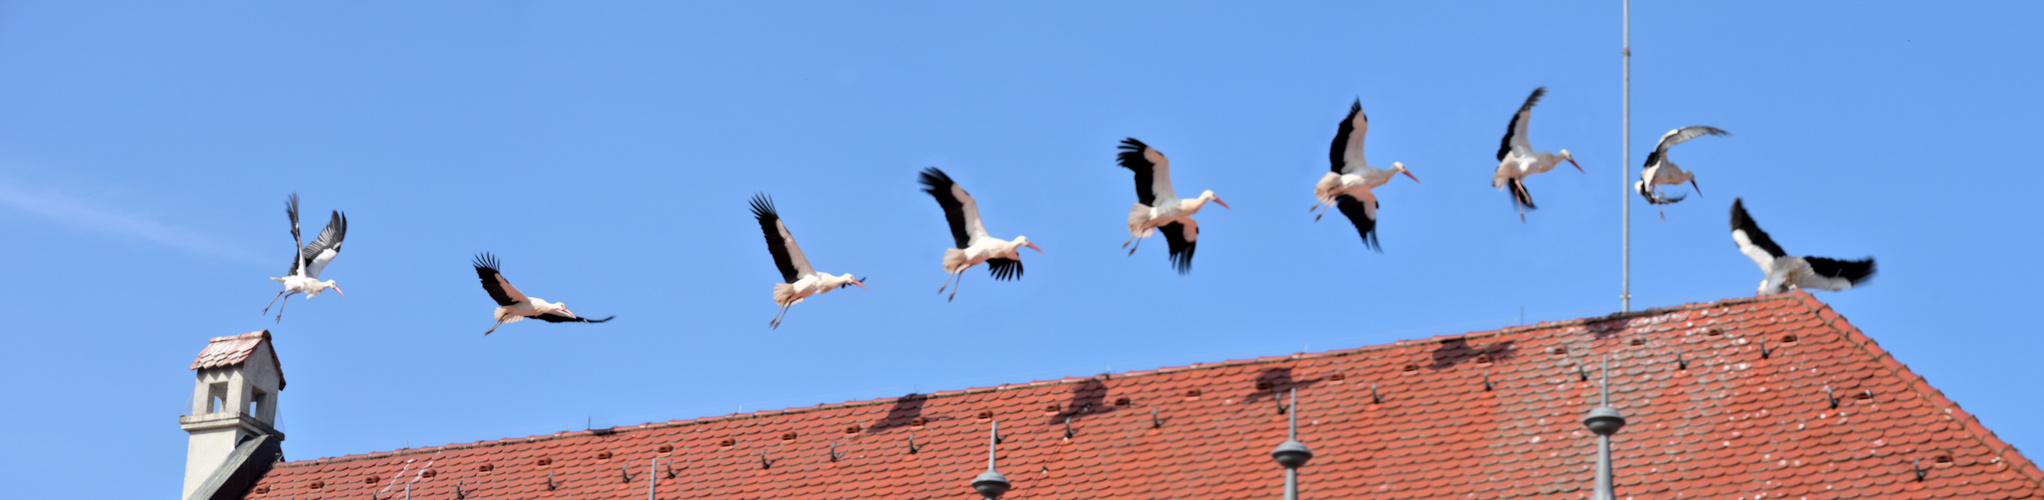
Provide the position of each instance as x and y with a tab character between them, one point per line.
1182	238
1153	171
297	243
1851	272
959	208
1004	268
560	317
1678	136
1515	132
1751	240
1364	214
326	247
493	281
787	256
1346	154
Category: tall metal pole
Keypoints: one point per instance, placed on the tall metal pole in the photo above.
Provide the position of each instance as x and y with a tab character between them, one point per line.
1625	171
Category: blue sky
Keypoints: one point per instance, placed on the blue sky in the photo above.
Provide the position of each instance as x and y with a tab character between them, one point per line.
605	153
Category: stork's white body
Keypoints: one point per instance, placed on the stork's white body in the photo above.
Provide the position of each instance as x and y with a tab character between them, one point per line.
1144	220
1661	171
1786	272
1517	160
307	260
788	294
1516	166
533	306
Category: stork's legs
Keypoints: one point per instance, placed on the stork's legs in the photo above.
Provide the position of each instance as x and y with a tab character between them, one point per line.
947	280
280	308
1139	244
493	328
273	301
1657	206
956	286
775	324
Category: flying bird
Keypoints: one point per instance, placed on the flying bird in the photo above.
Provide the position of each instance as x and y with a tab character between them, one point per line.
1349	185
1158	207
513	306
801	281
308	260
1517	160
1787	272
970	235
1661	171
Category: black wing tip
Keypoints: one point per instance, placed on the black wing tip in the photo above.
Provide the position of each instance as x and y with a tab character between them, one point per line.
1647	192
1538	92
608	318
763	207
1857	272
934	180
486	260
1004	269
1131	144
1740	219
1131	155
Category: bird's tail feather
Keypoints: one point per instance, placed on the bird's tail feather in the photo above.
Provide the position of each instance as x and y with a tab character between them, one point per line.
784	294
953	259
1137	215
1647	192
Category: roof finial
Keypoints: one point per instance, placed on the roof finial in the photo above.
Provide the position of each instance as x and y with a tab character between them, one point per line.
1292	454
1604	421
991	484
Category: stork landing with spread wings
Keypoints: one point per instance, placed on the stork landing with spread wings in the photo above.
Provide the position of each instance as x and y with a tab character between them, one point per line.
1349	185
1517	160
308	260
1661	171
1787	272
513	306
1158	207
970	235
801	280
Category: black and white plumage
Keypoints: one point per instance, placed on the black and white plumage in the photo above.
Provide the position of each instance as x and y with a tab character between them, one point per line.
800	280
514	306
1661	171
1787	272
969	234
1517	159
308	260
1350	184
1158	206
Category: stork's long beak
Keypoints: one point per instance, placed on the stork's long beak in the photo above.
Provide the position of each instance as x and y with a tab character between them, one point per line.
1032	246
1216	200
862	286
1579	166
571	314
1699	189
1408	173
338	290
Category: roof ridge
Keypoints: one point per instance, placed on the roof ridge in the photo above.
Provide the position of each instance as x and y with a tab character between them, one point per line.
1966	421
1405	343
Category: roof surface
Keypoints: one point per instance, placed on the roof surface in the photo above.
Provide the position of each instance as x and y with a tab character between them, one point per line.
1484	415
235	350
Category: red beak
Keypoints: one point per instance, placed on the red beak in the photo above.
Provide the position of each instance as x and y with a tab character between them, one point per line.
338	290
1579	166
1699	189
1216	200
1032	246
862	286
1408	173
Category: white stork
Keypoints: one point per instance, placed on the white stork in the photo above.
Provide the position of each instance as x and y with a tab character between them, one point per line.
970	235
1787	272
308	260
513	306
1348	185
1158	207
1661	171
801	281
1517	160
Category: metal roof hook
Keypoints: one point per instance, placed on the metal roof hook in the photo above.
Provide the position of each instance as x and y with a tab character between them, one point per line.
765	464
1068	428
626	470
834	455
1374	399
459	494
670	469
550	481
1681	361
1830	398
912	446
1917	465
1280	403
1764	351
1486	380
1155	423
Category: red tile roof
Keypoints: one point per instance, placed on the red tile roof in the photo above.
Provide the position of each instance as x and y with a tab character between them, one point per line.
1743	420
234	350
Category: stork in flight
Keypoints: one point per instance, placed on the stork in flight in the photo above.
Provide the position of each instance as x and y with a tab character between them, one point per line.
801	281
1517	160
308	260
1661	171
1158	207
1787	272
1349	185
513	306
970	235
